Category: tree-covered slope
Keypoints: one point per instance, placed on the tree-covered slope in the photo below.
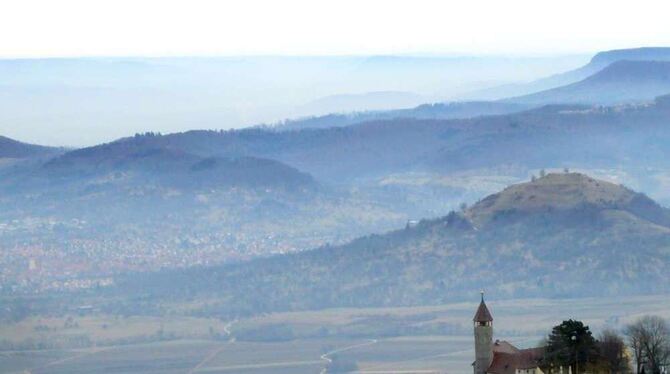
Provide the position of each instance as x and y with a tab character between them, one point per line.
563	234
450	110
553	136
10	148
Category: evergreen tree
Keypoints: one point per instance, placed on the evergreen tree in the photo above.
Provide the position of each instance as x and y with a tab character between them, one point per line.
571	344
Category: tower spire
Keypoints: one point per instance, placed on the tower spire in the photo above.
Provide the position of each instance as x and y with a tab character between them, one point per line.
483	315
483	322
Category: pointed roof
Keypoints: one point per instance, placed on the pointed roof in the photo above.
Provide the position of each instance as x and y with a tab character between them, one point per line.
483	314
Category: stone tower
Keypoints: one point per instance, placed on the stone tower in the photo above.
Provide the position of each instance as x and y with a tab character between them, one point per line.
483	338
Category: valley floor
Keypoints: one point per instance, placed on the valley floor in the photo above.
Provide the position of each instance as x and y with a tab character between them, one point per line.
410	354
373	339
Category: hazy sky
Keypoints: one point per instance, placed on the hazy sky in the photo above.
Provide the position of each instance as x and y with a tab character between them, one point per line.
83	104
135	27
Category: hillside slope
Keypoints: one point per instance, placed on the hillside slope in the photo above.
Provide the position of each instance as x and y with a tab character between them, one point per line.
451	110
553	136
162	193
171	167
10	148
621	82
563	234
600	61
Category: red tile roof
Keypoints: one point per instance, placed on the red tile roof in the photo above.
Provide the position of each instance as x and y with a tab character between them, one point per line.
504	347
507	358
530	358
503	363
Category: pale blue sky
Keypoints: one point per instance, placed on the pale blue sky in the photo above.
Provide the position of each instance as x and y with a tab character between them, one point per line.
34	28
84	102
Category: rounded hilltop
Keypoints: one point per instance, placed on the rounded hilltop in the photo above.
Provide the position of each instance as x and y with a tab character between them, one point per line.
560	192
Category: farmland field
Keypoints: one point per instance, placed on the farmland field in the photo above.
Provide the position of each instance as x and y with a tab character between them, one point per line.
381	340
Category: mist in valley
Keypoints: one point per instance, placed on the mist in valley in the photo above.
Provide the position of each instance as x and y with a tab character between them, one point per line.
338	212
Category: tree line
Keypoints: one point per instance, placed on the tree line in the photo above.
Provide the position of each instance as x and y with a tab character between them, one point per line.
643	347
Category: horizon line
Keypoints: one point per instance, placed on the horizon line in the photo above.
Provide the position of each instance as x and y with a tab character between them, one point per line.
417	54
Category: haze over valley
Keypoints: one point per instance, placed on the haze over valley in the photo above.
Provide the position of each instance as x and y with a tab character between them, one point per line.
291	214
205	197
123	96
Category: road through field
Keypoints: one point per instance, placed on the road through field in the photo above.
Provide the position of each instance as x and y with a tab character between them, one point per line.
217	350
324	358
328	360
209	357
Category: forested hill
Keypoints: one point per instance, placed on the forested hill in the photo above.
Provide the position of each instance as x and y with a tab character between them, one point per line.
553	136
562	234
452	110
10	148
173	167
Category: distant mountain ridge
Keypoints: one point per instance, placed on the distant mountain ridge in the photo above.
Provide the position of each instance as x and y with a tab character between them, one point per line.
552	135
449	110
610	77
10	148
620	82
600	61
563	234
214	92
380	100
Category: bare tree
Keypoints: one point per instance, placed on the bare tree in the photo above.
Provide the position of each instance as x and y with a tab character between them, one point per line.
635	336
612	349
649	338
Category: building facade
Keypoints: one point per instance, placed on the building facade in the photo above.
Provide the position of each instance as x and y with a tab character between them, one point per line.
501	357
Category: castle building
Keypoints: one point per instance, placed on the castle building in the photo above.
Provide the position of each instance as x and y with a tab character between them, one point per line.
501	357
